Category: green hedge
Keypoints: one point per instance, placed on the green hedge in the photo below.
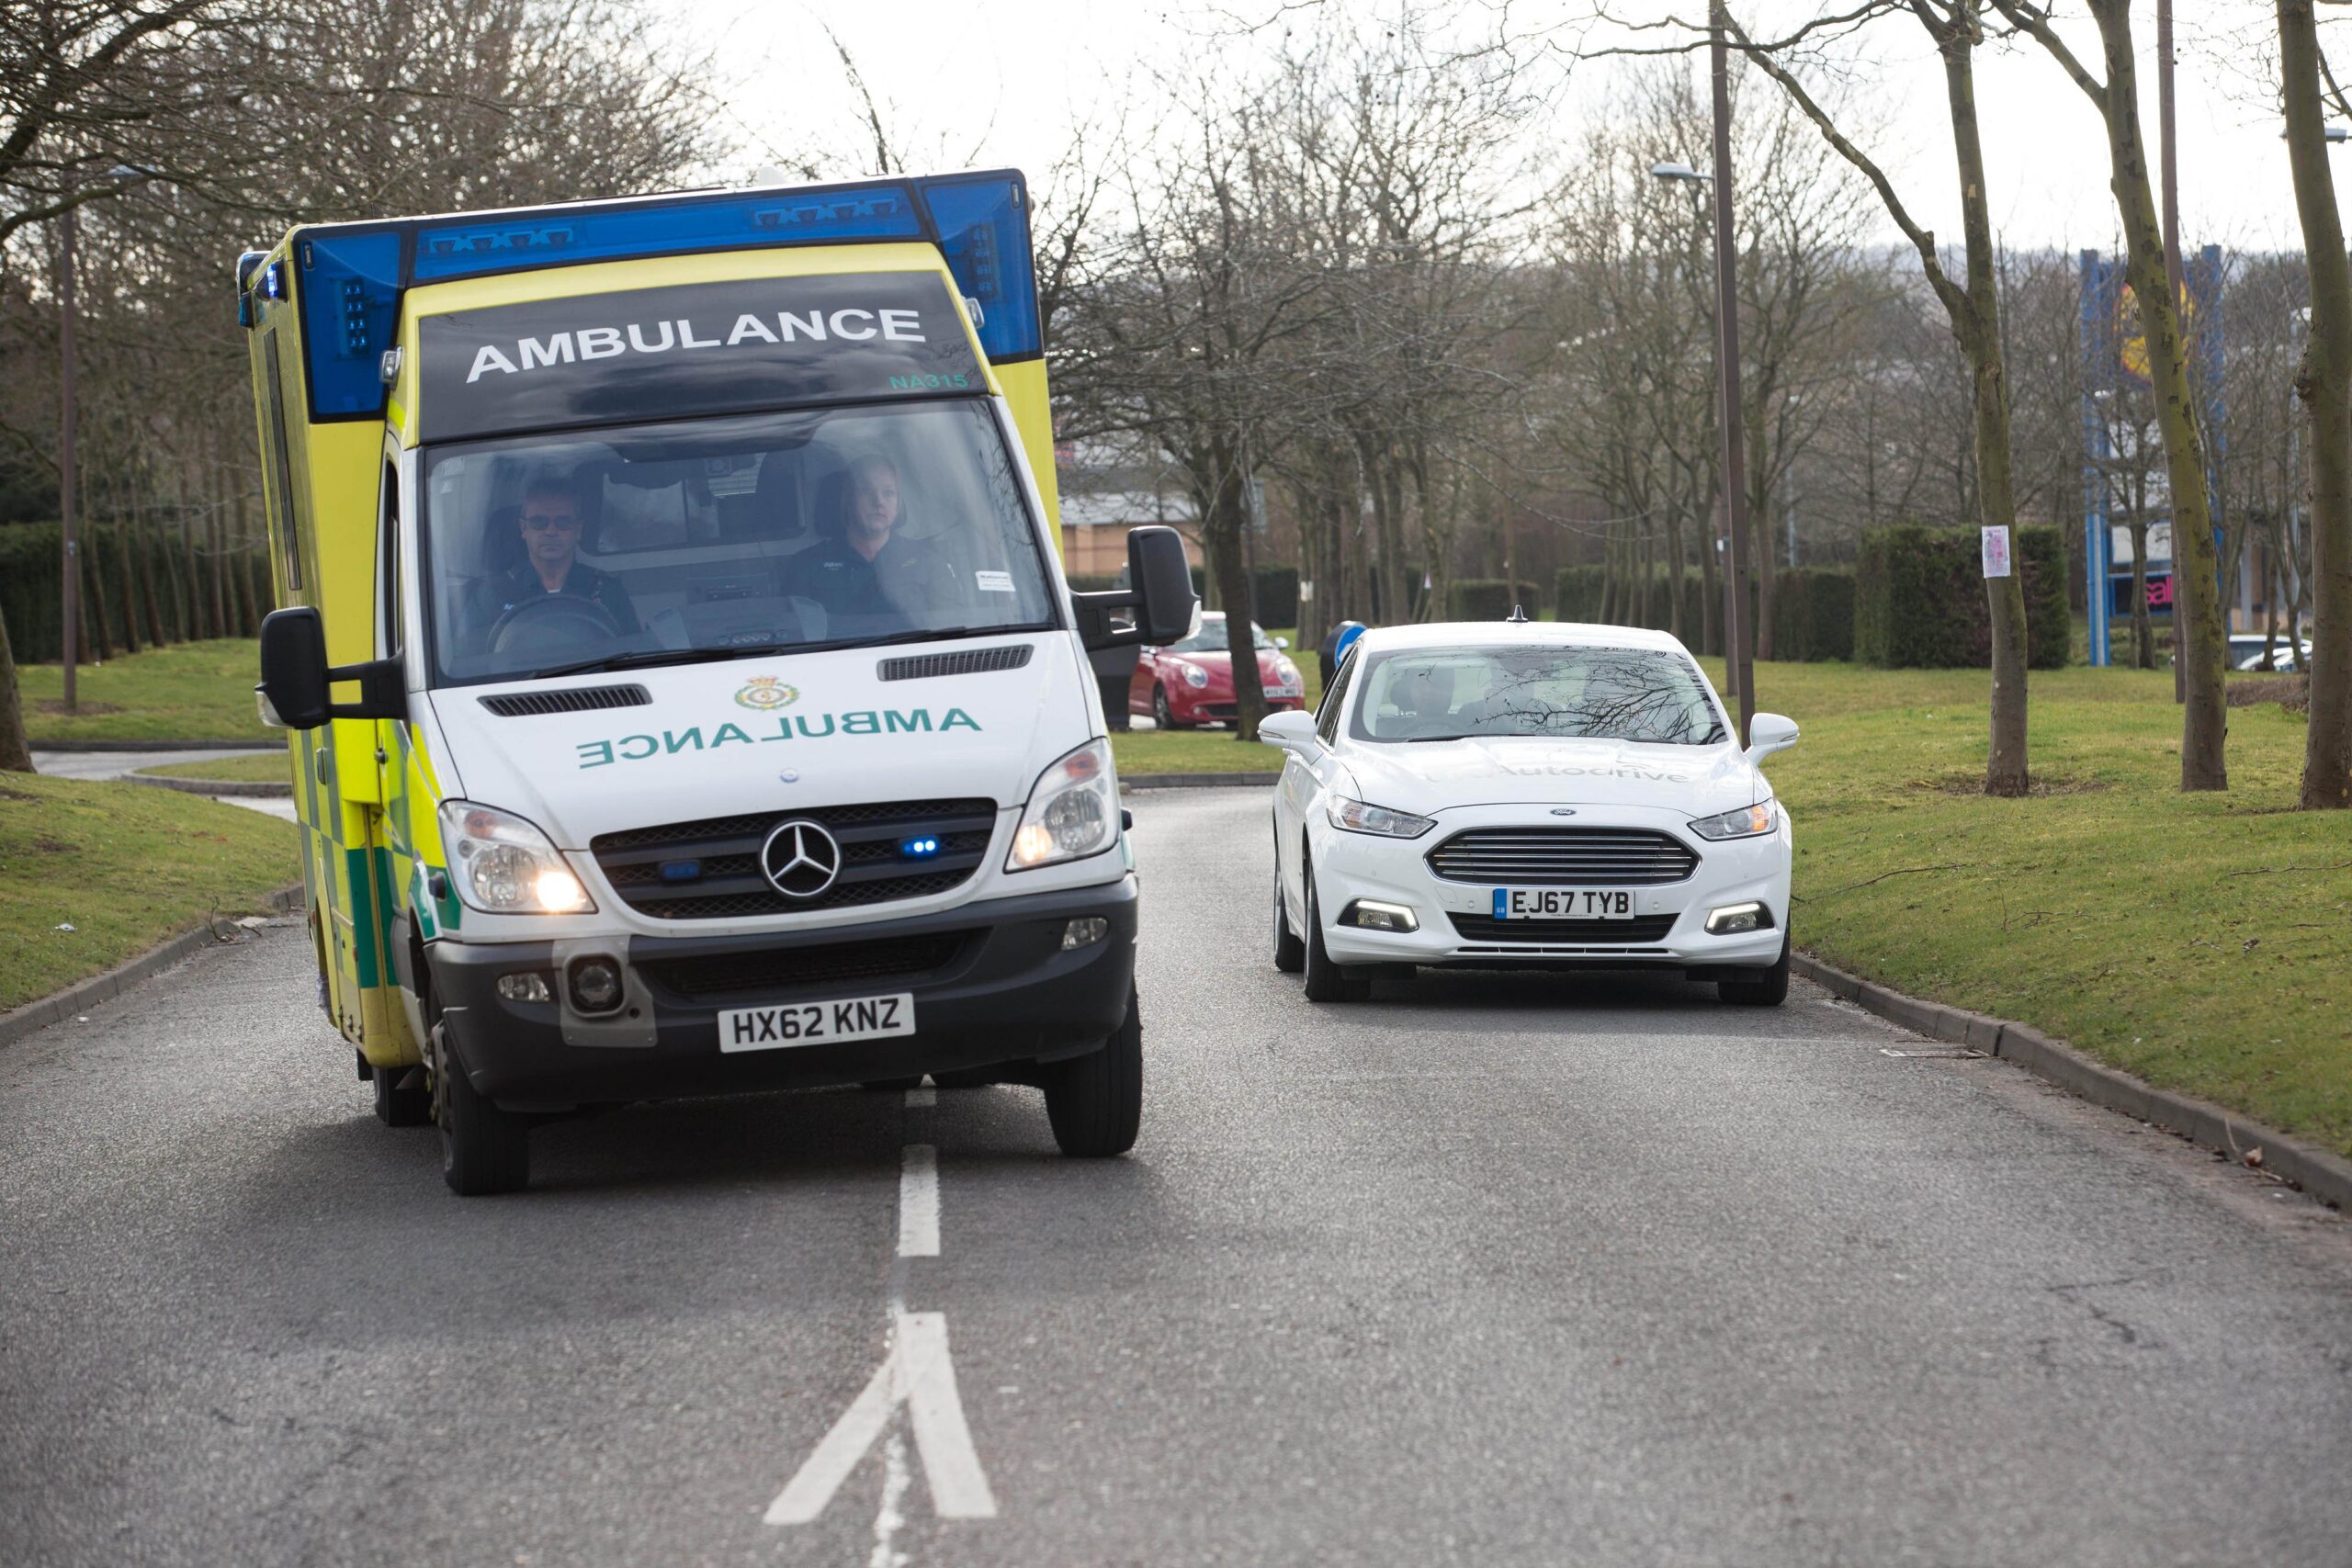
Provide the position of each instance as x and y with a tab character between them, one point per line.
29	587
1919	599
1814	617
1489	599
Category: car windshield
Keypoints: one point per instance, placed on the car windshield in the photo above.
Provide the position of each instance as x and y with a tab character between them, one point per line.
711	538
1583	693
1210	639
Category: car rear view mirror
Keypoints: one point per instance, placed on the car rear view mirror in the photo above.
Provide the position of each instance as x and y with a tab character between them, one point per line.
1767	733
296	677
1291	731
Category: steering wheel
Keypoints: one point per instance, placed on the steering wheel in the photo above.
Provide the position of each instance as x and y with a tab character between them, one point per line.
553	623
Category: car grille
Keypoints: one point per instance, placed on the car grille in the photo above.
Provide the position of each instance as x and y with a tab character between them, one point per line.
714	865
1573	857
1641	929
720	975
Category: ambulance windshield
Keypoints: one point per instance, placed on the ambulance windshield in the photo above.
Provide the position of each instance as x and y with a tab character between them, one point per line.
717	537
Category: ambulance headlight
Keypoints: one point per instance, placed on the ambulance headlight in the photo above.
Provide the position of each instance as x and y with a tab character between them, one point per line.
1073	812
503	865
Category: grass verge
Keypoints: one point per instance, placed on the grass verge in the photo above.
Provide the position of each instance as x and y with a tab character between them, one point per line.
272	768
2203	941
195	690
125	867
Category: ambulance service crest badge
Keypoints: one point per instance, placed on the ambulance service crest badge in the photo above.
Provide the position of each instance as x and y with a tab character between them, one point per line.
765	694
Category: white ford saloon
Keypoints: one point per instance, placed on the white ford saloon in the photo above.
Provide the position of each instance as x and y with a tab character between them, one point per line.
1514	795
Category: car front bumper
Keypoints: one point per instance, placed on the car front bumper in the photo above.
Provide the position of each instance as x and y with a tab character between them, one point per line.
995	986
1351	866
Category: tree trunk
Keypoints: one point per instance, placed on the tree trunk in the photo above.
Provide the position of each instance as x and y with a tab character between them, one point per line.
2198	639
2324	385
1229	515
1711	596
94	595
16	756
2005	759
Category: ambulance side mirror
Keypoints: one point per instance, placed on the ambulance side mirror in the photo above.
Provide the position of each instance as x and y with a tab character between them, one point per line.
296	677
293	669
1162	600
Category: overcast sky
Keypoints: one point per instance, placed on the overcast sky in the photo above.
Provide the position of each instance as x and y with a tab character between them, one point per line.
989	82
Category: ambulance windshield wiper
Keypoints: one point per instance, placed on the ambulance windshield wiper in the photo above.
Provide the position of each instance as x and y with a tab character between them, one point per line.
645	658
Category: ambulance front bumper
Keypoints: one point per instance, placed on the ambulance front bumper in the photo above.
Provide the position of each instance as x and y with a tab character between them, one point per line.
1035	979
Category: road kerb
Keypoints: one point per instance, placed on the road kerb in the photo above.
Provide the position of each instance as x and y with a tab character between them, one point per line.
1199	781
250	788
78	998
2320	1173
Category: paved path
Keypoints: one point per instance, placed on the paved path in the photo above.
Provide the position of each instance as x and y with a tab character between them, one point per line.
115	764
1494	1271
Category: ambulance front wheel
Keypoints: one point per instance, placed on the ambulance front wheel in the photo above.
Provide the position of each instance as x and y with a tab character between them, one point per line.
483	1149
1095	1102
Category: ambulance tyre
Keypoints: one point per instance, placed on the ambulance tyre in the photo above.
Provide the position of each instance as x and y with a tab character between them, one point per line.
403	1098
1759	988
1095	1102
483	1149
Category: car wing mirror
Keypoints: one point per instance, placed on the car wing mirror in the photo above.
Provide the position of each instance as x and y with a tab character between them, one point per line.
1767	733
1292	731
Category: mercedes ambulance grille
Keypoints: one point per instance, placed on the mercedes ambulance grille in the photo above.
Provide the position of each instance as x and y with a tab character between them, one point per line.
716	977
1641	929
709	870
1569	857
575	699
976	661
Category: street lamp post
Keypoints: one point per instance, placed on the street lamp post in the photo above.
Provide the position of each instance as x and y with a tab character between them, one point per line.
1738	658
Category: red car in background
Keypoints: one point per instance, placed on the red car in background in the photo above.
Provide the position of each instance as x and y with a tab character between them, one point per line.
1190	684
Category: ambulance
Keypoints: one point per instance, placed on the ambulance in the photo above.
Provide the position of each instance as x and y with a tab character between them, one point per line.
685	694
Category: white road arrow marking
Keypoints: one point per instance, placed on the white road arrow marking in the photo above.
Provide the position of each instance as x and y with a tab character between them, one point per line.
918	1374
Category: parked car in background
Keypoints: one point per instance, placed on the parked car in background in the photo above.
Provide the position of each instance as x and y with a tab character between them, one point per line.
2246	652
1189	684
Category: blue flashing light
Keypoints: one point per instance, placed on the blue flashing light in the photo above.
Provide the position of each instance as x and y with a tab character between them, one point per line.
682	871
464	248
351	293
983	227
919	849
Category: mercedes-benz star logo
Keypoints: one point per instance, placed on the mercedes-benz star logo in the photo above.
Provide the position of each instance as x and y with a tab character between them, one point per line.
801	858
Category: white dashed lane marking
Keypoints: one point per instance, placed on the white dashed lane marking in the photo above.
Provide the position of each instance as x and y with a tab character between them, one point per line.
919	1202
915	1372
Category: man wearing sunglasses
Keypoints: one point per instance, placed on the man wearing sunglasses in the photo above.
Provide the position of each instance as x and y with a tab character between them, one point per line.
549	524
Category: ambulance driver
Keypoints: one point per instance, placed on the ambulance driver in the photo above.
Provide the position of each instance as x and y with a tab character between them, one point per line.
549	526
870	570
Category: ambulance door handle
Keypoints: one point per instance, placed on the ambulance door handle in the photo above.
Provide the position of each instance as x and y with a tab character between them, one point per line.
380	758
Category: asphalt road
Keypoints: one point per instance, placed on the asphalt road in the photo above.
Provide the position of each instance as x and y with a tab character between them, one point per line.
1493	1270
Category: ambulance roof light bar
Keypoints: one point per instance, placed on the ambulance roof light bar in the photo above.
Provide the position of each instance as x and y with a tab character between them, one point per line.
353	274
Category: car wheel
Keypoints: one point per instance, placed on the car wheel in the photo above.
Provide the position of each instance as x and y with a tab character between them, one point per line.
1290	954
1095	1103
1160	715
483	1149
404	1096
1328	981
1759	988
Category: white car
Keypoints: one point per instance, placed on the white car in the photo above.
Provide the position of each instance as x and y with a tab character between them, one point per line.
1514	795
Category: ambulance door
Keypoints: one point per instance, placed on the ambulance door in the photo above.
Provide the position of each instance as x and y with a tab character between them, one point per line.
391	846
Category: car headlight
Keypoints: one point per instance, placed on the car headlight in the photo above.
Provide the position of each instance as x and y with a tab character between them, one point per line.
1743	823
1195	676
1073	812
1355	816
503	865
